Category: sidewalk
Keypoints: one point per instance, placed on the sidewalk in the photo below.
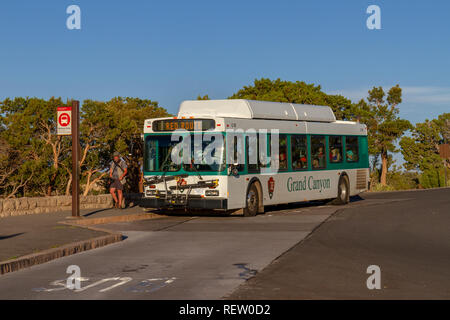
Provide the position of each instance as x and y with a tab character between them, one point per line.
32	234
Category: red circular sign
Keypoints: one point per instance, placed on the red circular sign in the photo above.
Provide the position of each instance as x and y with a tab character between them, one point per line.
64	119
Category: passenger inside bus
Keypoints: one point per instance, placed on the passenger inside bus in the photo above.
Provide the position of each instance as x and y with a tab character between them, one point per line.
283	161
315	163
300	163
320	157
350	155
335	155
298	152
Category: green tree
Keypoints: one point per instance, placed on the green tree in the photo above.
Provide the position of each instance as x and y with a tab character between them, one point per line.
295	92
205	97
421	150
385	127
116	125
402	180
94	145
29	127
34	161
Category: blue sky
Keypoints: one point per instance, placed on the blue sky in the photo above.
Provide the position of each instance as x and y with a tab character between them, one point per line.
170	51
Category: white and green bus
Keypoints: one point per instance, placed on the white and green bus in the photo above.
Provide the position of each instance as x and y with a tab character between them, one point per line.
317	156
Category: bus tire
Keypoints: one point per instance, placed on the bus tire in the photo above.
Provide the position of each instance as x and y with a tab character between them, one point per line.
251	202
343	196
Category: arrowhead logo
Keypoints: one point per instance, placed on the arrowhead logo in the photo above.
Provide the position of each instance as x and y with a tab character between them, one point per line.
271	186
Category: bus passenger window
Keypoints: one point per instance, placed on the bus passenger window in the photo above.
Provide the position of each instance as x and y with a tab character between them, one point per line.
299	152
335	149
240	166
252	149
283	164
318	152
351	149
264	150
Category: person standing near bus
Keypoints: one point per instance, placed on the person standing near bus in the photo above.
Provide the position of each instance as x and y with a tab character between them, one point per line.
117	171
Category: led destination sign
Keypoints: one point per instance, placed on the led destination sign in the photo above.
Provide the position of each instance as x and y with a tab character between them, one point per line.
186	124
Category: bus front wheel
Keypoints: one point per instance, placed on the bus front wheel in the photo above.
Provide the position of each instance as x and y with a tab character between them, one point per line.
343	190
251	201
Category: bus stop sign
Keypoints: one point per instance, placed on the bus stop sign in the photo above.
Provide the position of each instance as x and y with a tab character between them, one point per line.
64	118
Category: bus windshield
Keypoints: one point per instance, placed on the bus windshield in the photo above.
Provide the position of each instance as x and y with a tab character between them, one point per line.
157	155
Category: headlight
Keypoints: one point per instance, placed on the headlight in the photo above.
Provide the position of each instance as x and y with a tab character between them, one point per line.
211	192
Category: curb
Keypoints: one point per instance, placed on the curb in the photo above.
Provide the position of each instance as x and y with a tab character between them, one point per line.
52	254
408	190
104	220
75	247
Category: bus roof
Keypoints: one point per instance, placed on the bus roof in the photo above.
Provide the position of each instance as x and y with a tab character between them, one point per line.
251	109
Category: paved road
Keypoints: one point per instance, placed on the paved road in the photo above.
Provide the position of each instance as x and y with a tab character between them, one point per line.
212	257
408	239
26	234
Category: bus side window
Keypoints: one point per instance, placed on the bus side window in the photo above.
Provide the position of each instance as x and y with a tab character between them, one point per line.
252	154
283	152
335	145
351	149
240	166
299	152
264	162
318	152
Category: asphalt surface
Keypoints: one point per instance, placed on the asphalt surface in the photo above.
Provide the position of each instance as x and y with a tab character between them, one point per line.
178	257
302	251
408	239
26	234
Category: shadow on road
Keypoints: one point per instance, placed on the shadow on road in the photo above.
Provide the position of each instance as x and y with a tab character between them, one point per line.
267	209
96	211
11	236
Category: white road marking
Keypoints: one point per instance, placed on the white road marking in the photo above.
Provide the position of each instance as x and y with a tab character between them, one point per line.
122	281
148	285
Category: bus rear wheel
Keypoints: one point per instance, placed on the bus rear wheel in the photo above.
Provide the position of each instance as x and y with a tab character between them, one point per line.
343	191
251	202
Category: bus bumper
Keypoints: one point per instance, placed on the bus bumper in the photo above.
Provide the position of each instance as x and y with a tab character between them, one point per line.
201	203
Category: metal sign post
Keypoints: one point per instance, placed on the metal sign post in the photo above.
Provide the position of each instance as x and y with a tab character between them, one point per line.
75	158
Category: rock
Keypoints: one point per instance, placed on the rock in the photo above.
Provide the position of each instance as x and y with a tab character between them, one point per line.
9	205
37	210
101	198
62	201
21	203
32	203
41	202
5	214
36	205
52	202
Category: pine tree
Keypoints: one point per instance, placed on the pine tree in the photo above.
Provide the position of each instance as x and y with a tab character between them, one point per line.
385	127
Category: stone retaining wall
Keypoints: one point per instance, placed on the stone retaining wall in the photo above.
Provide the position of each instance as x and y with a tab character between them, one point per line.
21	206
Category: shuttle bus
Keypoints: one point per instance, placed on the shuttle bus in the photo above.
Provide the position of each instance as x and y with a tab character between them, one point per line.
317	156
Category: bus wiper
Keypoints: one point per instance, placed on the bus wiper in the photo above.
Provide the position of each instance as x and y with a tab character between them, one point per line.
165	162
163	176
